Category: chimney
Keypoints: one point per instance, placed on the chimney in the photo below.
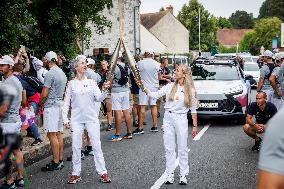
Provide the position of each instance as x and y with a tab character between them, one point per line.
170	9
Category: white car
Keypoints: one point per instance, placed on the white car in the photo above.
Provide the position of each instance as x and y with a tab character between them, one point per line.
252	69
247	58
222	89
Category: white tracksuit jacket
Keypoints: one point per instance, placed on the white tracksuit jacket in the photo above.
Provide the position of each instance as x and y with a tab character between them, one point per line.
82	96
175	123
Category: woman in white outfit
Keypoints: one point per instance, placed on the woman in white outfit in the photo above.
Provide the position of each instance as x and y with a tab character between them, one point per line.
180	98
82	94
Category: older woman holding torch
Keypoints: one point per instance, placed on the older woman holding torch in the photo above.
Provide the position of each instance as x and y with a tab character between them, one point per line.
82	94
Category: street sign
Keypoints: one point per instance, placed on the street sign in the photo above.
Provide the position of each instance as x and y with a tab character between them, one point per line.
282	35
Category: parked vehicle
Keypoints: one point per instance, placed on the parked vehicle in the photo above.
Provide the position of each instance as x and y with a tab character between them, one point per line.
222	89
178	59
225	56
252	69
247	58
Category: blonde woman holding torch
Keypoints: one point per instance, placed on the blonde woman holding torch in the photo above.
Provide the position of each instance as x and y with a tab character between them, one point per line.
180	98
82	94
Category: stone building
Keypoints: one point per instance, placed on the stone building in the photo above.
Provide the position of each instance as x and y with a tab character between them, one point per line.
129	10
167	29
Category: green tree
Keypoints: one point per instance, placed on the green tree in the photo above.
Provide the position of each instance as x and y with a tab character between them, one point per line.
162	9
223	49
15	22
247	41
188	16
242	20
223	22
264	31
61	23
272	8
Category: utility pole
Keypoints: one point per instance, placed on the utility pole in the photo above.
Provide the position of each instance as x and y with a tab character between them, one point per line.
199	30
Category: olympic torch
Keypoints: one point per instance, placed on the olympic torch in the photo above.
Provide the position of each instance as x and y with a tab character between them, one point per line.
113	61
133	66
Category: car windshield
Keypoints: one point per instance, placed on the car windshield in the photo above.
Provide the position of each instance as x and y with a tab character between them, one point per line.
251	67
178	60
254	59
214	72
247	59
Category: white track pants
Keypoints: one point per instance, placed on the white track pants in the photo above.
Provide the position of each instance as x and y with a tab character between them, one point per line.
176	126
94	134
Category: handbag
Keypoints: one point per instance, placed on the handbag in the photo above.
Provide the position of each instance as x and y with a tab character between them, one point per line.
28	117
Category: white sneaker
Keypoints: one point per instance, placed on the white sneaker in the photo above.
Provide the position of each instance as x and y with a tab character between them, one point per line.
170	179
182	180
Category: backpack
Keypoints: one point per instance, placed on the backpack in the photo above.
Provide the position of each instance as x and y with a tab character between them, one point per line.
34	82
271	68
124	75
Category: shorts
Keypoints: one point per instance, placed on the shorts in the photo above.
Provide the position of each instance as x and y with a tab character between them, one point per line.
52	120
120	101
135	99
11	128
145	100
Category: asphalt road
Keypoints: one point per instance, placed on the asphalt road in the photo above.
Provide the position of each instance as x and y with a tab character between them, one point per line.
222	158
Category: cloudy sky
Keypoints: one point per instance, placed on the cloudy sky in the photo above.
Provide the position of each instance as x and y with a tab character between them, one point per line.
218	8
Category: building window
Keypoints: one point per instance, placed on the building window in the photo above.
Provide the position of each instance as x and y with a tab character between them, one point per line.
98	51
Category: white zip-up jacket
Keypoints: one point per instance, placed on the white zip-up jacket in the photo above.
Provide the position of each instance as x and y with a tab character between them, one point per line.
177	105
82	96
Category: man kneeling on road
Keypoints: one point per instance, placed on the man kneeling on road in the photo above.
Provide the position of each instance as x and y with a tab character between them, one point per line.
262	111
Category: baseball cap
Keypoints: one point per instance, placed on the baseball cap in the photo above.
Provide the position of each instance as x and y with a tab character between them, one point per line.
268	53
149	50
7	60
279	56
90	61
51	56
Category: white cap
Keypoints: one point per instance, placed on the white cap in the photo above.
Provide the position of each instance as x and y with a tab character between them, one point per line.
51	56
7	60
38	64
149	50
90	61
81	57
279	56
268	53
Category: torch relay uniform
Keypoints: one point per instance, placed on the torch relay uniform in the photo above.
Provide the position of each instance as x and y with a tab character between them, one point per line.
175	125
82	96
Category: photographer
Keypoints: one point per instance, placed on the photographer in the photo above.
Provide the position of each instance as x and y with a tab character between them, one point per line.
11	123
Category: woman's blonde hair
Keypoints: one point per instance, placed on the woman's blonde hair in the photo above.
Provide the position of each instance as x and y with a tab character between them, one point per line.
189	100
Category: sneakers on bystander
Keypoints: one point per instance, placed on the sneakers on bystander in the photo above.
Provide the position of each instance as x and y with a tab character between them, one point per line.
115	138
128	136
36	142
109	127
138	131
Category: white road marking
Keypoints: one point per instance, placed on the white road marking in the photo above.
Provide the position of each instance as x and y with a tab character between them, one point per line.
199	135
162	179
